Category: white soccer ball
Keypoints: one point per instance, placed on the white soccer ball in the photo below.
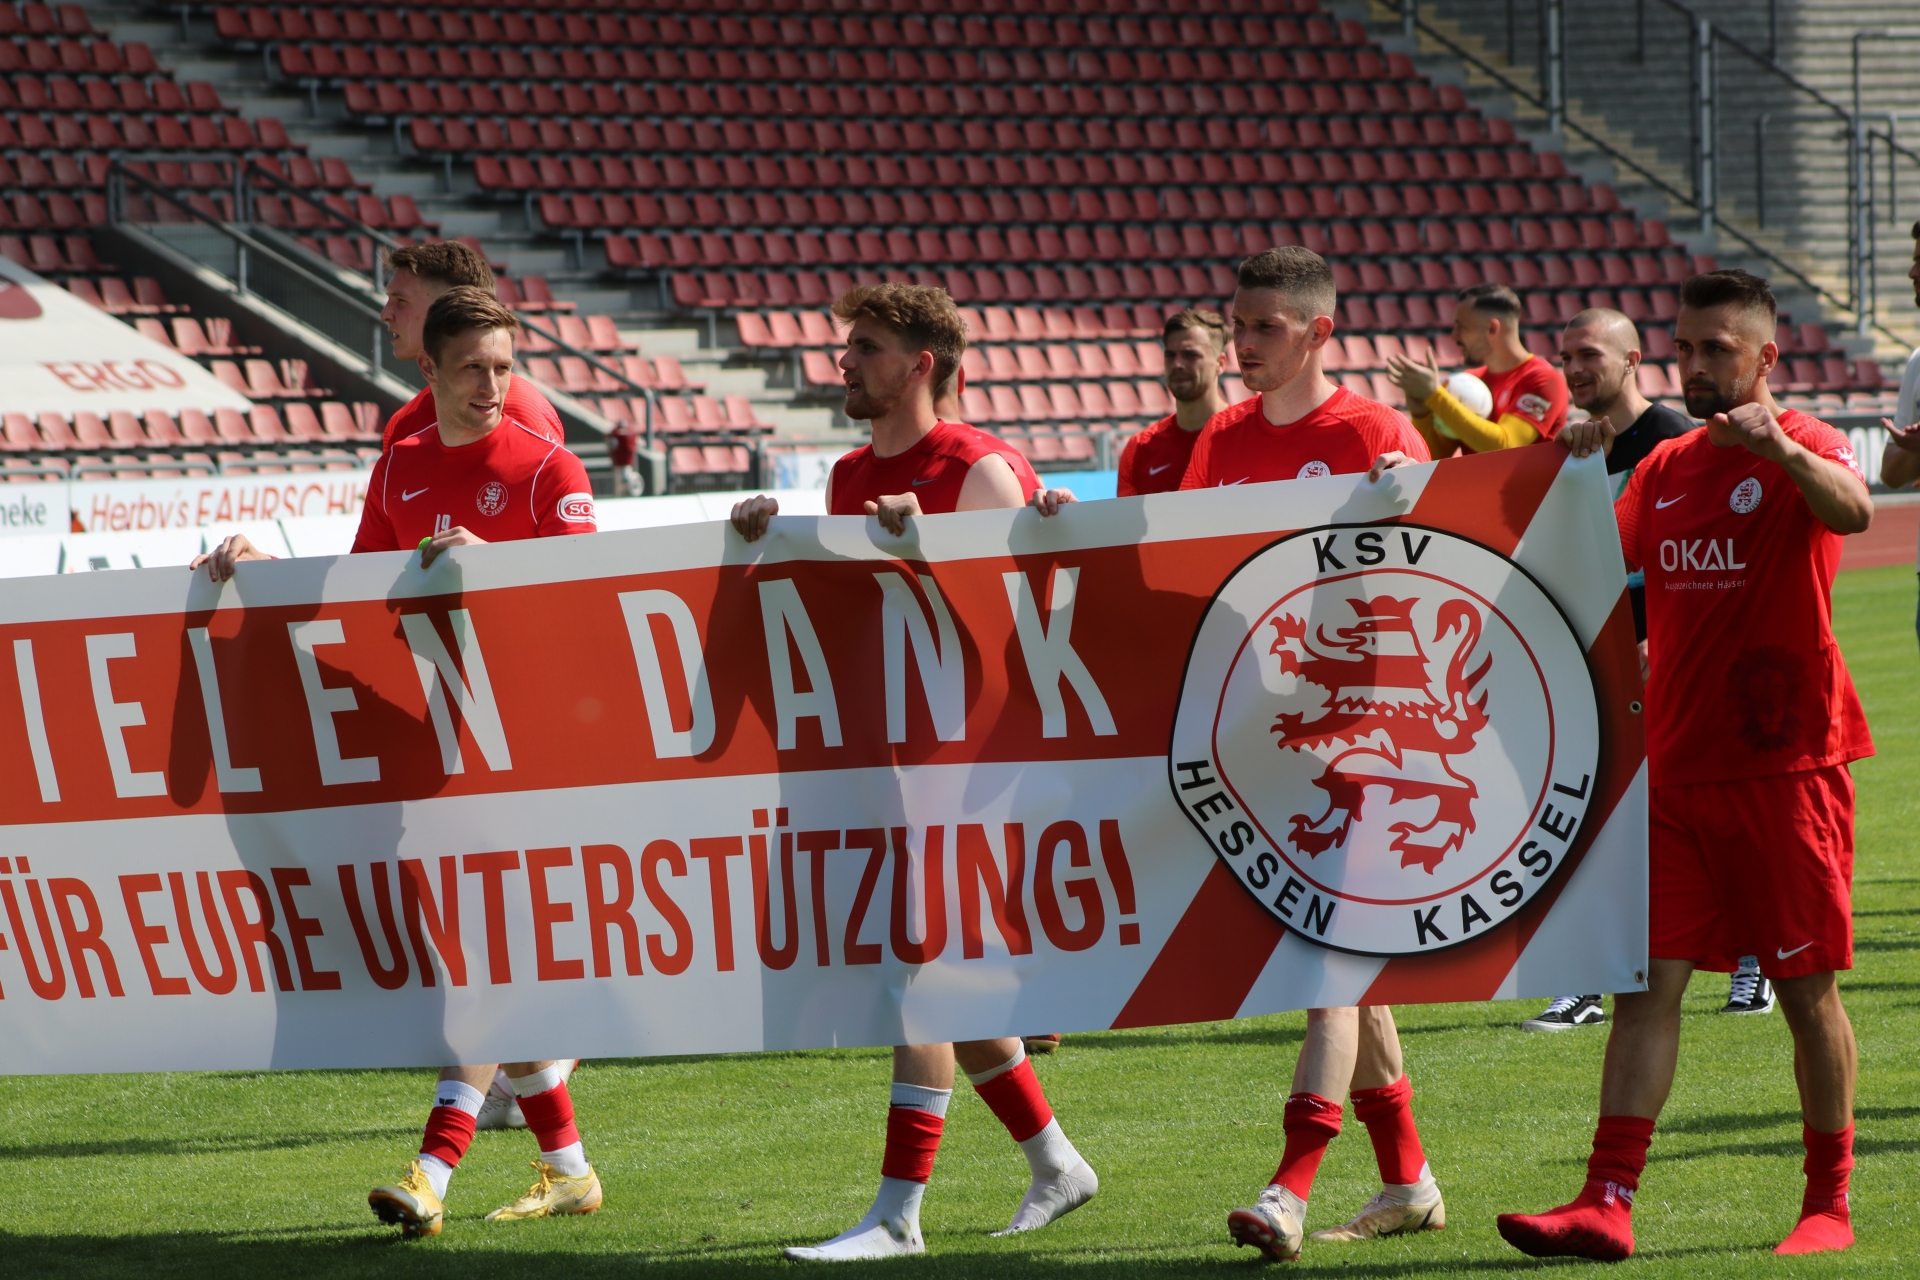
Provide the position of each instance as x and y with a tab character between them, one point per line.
1472	393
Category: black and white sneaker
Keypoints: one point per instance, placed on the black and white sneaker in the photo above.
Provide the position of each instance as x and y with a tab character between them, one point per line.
1750	993
1566	1013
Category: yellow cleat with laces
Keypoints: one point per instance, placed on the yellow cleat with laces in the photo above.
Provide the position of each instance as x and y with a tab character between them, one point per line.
554	1195
409	1204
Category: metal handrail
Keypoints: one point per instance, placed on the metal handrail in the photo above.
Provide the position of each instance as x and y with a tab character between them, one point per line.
1653	179
381	238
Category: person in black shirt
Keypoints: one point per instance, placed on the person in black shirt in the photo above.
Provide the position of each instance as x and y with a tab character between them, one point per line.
1600	356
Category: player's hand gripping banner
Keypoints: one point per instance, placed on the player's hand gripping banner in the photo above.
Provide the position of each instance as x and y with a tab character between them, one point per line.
1155	760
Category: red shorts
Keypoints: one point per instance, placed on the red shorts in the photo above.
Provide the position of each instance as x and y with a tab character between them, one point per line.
1758	867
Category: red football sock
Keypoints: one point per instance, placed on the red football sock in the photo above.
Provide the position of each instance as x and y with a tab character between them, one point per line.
1015	1096
550	1116
1311	1122
1825	1219
449	1134
1598	1223
913	1139
1388	1114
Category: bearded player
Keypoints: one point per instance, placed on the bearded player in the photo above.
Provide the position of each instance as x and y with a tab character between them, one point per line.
1301	425
1195	346
905	341
416	276
1529	395
472	474
1751	723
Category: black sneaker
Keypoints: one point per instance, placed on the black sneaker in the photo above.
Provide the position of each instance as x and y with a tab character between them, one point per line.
1566	1013
1750	993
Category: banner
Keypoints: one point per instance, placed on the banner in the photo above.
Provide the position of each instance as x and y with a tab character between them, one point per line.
61	355
1155	760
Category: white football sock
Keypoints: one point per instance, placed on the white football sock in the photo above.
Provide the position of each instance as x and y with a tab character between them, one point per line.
570	1160
458	1095
921	1098
438	1172
1062	1181
891	1227
543	1081
1425	1191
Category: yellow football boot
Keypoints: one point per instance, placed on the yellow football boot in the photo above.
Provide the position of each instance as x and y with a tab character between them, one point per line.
410	1204
555	1194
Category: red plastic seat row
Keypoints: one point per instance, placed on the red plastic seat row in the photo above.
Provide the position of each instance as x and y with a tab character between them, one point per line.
805	167
111	294
1063	402
190	337
55	211
93	57
123	93
102	133
50	255
423	25
37	19
715	290
398	213
301	170
783	330
681	415
985	363
330	421
1802	374
1405	115
1807	339
594	333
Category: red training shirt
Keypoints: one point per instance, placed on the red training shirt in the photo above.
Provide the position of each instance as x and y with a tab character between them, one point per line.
1155	461
1344	435
933	470
512	483
1746	680
1535	391
524	403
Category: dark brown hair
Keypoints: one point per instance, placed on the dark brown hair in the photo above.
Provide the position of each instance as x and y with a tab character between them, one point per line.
1740	289
1205	319
459	311
923	315
446	262
1495	301
1301	274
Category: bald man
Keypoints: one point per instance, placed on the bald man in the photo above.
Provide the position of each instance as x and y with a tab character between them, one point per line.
1600	356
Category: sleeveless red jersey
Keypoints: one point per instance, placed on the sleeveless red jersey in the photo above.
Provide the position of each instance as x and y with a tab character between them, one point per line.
524	403
1746	677
933	470
512	483
1156	460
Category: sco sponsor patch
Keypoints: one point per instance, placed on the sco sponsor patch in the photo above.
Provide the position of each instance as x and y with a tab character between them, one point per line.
576	508
1388	735
1533	406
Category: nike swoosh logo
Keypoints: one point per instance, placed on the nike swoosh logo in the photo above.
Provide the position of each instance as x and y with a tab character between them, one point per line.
409	497
1154	471
1225	483
1782	955
1659	505
928	480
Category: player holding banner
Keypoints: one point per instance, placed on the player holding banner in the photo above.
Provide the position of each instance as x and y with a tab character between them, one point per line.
471	474
1298	426
1751	723
905	341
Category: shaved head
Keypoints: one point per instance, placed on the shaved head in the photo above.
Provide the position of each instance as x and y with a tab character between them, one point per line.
1599	356
1606	327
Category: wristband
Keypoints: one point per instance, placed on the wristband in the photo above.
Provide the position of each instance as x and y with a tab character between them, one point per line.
423	543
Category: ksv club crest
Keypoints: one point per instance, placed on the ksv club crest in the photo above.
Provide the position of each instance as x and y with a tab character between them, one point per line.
1389	734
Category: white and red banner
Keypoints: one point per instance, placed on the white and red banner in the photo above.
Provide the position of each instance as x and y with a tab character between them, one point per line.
1157	760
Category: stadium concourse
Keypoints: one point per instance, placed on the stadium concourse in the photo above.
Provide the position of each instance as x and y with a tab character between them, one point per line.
680	191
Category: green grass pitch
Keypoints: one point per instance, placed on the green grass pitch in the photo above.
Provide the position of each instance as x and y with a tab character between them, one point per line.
713	1164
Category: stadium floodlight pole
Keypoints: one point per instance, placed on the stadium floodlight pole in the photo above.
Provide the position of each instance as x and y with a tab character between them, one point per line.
1553	26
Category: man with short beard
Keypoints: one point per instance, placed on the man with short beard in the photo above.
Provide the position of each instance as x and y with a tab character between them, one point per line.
1195	344
1751	722
1298	425
903	343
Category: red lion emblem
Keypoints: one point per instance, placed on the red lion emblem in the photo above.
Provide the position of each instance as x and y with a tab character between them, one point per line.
1399	731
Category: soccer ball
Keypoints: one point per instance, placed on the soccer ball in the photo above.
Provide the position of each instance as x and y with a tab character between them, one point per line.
1471	393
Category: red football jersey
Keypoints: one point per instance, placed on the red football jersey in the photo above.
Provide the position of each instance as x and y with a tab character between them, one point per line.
524	404
933	470
1746	678
1535	391
512	483
1344	435
1155	461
